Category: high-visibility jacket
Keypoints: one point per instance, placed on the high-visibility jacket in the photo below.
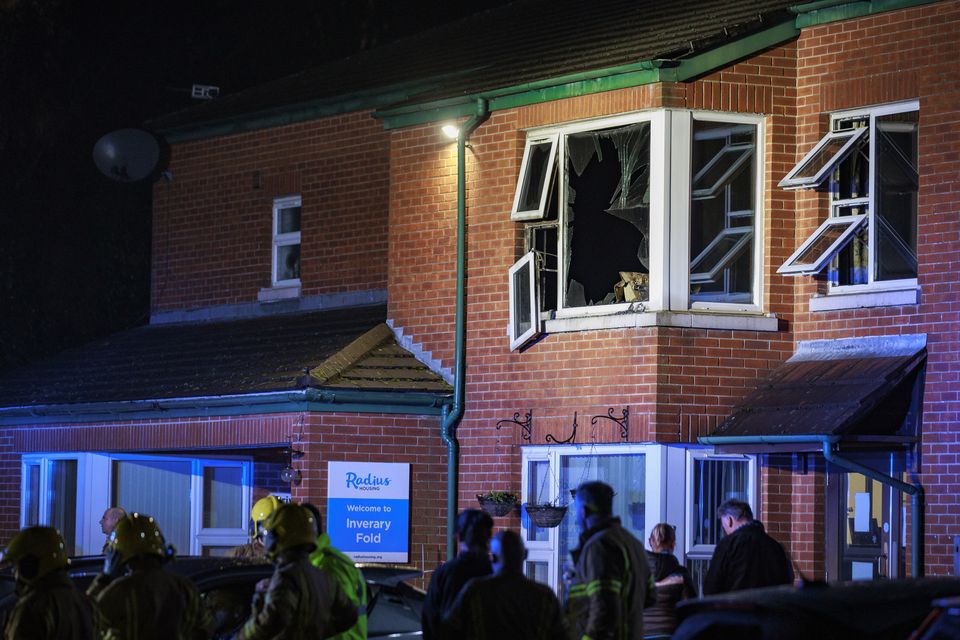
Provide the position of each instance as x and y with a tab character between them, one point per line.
50	609
147	605
301	603
341	568
611	584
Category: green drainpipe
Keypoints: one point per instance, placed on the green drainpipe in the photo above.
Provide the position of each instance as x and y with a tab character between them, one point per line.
915	491
452	414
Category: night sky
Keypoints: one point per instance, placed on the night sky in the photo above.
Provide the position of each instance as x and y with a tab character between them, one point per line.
75	246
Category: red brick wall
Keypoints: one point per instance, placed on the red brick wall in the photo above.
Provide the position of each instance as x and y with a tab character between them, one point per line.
903	55
212	222
322	437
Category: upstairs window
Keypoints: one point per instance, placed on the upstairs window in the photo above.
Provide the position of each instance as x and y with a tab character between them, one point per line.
868	164
286	241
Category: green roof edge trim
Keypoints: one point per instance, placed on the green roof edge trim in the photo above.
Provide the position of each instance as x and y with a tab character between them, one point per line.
826	11
591	82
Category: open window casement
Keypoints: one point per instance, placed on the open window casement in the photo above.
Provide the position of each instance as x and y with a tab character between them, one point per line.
720	254
524	305
536	178
826	156
817	250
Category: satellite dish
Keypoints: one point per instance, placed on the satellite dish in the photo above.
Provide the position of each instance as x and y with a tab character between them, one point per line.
126	155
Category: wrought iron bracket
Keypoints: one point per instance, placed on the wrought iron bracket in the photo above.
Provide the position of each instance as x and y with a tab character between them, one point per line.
526	425
623	421
573	434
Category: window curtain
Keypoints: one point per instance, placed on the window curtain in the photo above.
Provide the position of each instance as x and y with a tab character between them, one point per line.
159	488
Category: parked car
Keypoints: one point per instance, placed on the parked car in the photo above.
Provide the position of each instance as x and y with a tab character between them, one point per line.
878	610
226	586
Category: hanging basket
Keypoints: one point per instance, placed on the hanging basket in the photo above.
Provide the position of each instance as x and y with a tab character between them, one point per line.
545	515
499	507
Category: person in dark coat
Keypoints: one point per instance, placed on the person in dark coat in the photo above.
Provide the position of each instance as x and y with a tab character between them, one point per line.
673	583
611	582
506	605
747	557
49	606
474	528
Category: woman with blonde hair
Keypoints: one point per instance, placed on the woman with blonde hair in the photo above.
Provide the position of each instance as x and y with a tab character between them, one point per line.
673	583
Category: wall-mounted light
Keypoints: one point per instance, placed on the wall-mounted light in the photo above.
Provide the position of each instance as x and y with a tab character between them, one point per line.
289	473
452	131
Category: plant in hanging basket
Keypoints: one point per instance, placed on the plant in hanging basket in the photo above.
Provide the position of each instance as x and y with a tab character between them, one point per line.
497	503
545	515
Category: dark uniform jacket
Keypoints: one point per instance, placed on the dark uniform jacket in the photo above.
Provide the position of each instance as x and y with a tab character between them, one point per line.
660	618
746	559
611	584
505	607
445	586
51	609
147	605
300	603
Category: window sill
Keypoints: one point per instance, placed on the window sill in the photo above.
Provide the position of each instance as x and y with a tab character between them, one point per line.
866	299
685	319
273	294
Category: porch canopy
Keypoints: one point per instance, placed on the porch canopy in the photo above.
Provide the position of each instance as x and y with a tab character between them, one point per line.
858	393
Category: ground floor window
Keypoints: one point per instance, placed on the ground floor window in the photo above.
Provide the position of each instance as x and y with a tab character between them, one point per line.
201	504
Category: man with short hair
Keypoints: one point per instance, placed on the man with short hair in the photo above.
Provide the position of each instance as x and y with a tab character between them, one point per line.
108	523
474	528
506	605
746	557
611	582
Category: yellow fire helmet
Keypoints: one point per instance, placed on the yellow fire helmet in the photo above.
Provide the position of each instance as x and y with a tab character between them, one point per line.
263	509
290	526
35	552
139	535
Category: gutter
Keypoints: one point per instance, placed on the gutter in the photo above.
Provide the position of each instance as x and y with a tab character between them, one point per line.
831	455
322	400
452	414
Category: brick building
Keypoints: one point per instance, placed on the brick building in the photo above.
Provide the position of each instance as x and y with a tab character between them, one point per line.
707	253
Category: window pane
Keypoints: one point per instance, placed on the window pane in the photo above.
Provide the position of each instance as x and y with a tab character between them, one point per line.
535	177
896	197
216	551
63	501
608	212
288	220
536	491
823	242
724	170
821	157
624	472
849	267
538	572
715	481
223	498
32	497
159	488
288	262
522	320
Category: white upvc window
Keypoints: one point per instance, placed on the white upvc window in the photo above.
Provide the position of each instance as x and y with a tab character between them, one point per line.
201	504
868	164
711	479
650	211
286	241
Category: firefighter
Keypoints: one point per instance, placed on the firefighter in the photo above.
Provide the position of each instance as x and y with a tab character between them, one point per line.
341	568
137	597
262	510
48	606
300	601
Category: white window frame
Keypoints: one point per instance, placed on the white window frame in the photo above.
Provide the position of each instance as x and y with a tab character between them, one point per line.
95	488
705	551
656	457
284	239
529	260
872	285
853	225
745	233
827	168
549	177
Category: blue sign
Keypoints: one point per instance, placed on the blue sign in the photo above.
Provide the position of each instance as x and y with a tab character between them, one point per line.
368	510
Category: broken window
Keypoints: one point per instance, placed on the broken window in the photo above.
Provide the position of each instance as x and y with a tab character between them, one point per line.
286	240
868	166
723	195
